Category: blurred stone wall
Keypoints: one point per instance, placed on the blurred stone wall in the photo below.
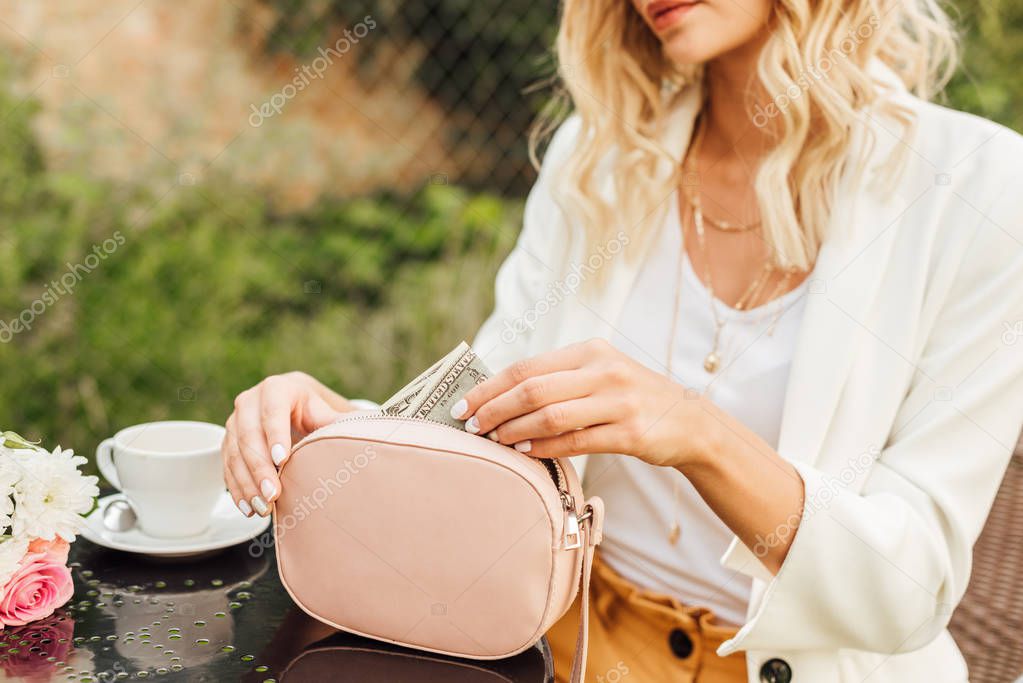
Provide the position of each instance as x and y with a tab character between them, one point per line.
171	91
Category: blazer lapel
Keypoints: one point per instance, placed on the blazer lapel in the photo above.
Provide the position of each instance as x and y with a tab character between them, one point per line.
842	290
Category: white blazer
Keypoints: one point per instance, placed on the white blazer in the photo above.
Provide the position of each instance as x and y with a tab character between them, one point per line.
905	396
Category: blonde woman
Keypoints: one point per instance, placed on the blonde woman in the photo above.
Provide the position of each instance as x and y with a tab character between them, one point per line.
779	289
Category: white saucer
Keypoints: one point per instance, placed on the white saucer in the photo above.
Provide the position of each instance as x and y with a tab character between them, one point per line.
227	527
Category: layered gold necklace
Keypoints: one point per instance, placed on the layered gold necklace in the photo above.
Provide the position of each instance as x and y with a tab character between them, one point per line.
757	286
753	293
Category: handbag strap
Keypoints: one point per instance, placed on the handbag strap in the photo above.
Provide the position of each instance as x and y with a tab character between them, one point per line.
590	531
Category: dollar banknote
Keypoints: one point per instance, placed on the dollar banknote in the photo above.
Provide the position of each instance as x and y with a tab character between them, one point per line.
431	395
404	402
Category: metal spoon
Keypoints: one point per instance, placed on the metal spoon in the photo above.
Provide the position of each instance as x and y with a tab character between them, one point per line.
119	515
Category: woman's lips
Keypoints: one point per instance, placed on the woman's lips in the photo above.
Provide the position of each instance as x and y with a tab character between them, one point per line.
665	13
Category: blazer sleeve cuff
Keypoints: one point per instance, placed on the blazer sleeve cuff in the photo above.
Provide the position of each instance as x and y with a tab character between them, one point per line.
775	606
861	573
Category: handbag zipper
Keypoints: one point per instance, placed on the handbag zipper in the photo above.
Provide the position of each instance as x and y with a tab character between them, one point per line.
572	538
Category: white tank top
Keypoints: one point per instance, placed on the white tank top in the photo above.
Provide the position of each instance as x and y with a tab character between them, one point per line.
642	501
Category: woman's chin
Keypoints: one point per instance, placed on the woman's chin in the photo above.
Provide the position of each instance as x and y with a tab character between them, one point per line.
685	53
704	38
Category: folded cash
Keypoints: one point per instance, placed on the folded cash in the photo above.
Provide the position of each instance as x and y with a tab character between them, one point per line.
431	394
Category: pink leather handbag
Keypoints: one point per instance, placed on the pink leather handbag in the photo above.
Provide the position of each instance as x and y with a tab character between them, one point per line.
415	533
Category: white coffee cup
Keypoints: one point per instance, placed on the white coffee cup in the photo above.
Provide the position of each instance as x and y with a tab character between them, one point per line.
170	472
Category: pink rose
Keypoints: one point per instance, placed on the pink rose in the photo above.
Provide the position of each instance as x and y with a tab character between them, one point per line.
41	584
58	548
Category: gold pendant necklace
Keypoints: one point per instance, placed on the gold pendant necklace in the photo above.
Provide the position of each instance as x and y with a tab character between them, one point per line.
712	361
675	528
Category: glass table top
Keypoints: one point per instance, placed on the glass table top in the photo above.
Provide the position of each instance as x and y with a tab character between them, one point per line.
223	617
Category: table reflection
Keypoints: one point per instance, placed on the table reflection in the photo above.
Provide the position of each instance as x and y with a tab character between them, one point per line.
224	617
306	650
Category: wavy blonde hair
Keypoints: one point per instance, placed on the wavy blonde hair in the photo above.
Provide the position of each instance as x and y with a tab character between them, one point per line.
613	74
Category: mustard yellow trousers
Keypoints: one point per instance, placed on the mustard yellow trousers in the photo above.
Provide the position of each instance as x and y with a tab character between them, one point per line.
638	635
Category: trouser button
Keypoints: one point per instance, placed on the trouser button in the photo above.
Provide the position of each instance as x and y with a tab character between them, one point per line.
680	642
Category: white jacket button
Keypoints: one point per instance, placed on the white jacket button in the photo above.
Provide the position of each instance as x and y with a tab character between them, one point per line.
775	671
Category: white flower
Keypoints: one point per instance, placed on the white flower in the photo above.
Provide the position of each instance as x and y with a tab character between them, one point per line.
12	550
50	494
9	476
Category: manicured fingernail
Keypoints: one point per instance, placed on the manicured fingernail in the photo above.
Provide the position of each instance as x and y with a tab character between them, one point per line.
493	435
260	505
245	508
268	489
524	446
277	453
458	410
472	425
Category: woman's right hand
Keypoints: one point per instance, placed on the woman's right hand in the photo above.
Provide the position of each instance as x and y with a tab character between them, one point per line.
260	431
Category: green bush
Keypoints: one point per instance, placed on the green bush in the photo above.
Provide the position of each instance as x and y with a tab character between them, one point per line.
990	83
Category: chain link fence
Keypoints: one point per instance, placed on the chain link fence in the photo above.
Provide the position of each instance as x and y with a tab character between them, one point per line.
486	65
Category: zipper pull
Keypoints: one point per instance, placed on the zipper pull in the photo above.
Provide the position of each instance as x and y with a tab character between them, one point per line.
572	538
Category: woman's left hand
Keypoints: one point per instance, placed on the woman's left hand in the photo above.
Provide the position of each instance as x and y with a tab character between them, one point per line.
588	398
